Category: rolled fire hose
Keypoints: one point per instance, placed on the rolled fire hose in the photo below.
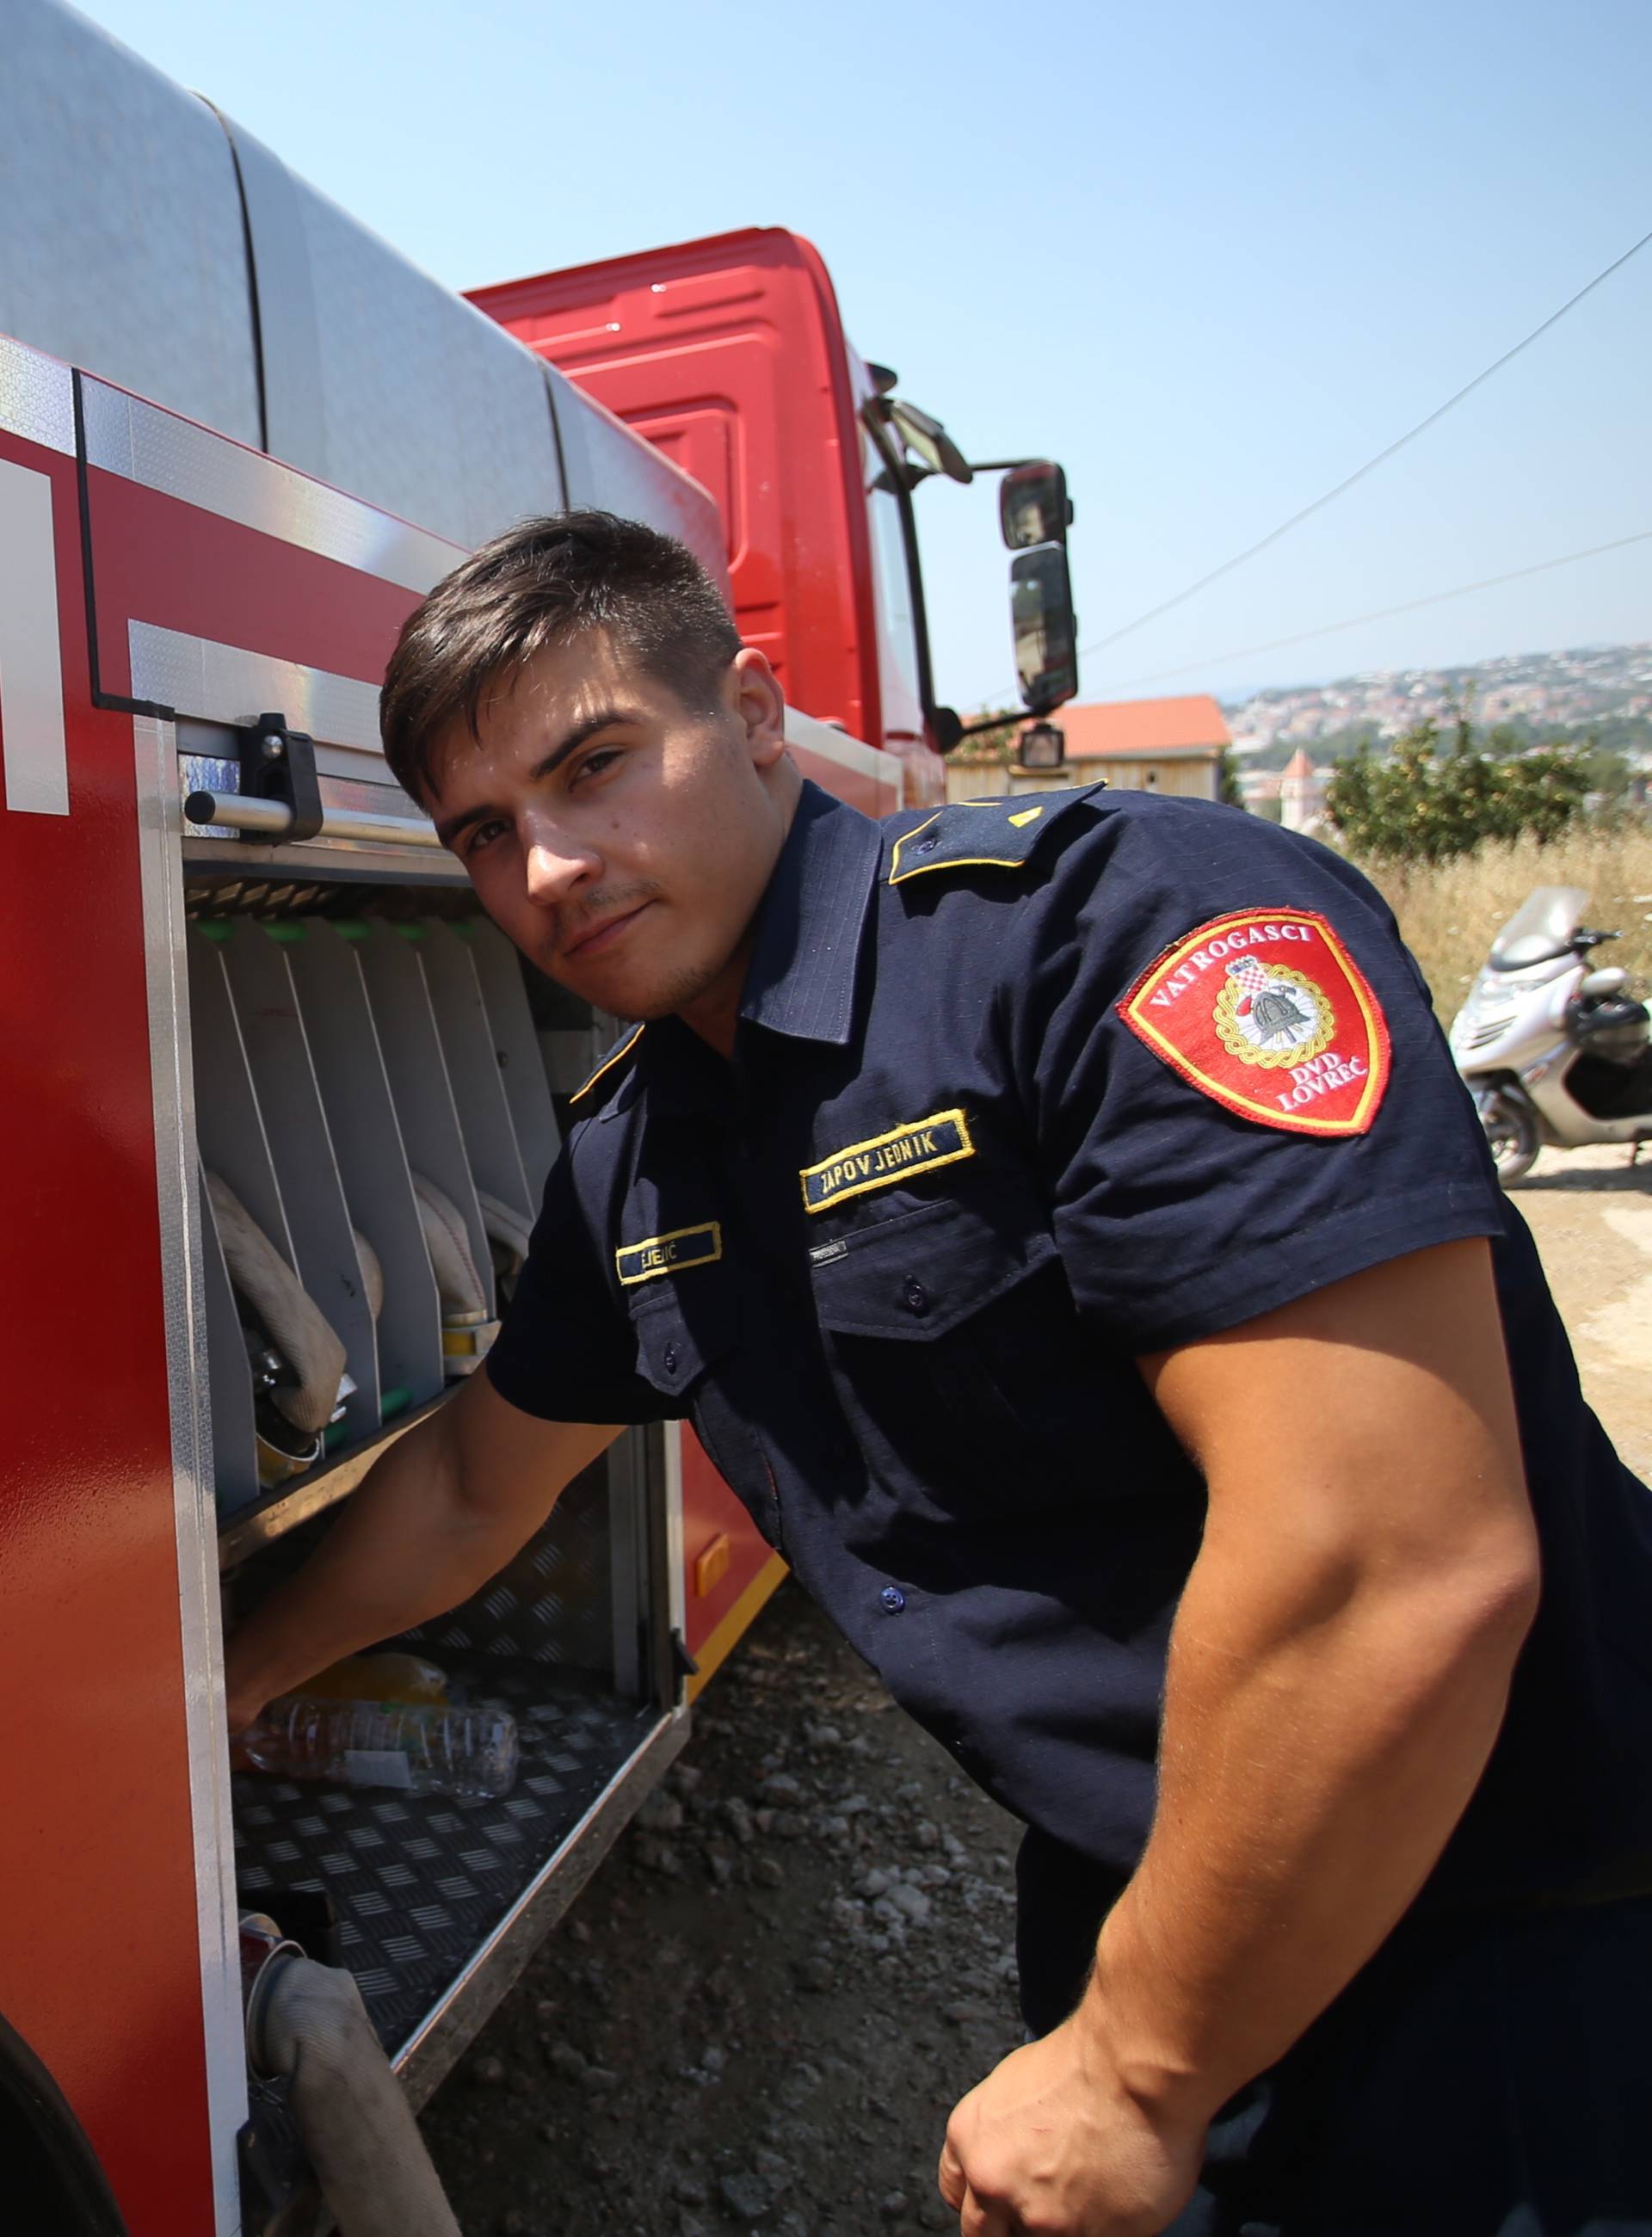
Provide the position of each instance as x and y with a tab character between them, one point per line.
372	1274
508	1233
296	1360
294	1322
466	1329
307	2023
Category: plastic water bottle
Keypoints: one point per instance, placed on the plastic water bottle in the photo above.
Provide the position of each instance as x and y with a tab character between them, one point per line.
471	1753
407	1680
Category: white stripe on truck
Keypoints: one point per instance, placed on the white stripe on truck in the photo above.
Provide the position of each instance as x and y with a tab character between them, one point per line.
32	666
835	745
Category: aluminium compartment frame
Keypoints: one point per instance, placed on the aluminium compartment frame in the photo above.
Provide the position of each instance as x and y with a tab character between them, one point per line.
641	1477
172	1089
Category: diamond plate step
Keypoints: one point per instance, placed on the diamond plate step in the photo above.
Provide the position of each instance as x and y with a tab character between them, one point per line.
420	1881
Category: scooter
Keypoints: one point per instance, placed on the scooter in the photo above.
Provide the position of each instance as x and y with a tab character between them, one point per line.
1554	1053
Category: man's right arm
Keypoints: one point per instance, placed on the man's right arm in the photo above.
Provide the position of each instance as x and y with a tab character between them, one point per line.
433	1520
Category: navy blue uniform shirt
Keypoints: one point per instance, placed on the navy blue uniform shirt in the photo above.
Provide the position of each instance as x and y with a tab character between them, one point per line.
896	1260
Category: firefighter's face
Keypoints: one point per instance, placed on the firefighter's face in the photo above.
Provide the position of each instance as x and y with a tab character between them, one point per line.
622	839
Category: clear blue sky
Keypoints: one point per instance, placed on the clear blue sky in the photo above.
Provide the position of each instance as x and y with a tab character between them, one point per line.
1211	257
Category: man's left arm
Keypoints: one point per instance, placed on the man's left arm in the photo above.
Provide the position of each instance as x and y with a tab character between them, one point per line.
1337	1674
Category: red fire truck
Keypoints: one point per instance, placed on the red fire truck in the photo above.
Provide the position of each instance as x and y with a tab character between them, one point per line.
247	992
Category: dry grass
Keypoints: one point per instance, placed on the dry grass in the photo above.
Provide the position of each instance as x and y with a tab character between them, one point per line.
1448	914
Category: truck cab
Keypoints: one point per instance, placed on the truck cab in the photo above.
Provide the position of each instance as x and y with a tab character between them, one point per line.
728	354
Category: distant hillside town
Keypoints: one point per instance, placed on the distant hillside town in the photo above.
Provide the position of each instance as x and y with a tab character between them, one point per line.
1603	688
1256	752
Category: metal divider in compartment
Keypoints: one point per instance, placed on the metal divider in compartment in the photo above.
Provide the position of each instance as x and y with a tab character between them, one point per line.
301	1147
472	1064
230	1133
338	1059
518	1061
418	1073
229	1124
360	1111
234	1435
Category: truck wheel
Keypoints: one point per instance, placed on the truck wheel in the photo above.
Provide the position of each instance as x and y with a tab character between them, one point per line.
52	2177
1512	1132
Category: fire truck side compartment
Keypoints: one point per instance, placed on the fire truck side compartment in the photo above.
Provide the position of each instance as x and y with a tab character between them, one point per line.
362	1026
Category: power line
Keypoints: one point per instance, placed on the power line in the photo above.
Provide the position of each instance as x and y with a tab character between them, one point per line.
1370	464
1384	613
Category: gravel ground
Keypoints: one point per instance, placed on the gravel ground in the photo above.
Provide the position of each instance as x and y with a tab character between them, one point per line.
759	2014
1591	1213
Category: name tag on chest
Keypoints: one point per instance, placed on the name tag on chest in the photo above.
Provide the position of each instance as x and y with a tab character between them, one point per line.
917	1147
669	1254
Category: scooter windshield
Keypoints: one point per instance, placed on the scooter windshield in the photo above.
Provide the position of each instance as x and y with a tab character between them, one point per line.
1541	928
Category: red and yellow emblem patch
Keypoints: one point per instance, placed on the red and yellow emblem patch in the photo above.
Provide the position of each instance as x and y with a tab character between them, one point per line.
1266	1012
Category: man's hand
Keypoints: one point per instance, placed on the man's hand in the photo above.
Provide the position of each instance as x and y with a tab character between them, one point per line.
1052	2141
441	1511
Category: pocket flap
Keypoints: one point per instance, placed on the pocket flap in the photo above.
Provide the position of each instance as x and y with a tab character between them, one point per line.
678	1338
915	1276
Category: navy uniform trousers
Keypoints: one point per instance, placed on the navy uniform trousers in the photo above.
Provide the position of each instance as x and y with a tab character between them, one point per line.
1485	2077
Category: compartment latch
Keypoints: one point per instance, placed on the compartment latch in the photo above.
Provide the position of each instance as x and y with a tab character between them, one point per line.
279	763
683	1666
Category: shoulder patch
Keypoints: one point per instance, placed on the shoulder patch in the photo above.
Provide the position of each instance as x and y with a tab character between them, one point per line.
968	834
1265	1011
614	1057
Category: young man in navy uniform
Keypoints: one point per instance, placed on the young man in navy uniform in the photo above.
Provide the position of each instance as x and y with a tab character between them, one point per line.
1062	1222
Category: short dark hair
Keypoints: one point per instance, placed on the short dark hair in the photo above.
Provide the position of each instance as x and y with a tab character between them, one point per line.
541	584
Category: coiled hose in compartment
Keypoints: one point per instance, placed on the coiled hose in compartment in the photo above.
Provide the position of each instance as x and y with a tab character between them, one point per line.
307	2024
466	1329
268	1287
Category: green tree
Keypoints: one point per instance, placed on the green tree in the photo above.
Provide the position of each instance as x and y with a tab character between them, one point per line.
1227	783
1607	771
997	742
1434	796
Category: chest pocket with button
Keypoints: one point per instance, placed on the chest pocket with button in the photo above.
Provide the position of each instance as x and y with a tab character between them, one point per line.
683	1327
959	1357
686	1329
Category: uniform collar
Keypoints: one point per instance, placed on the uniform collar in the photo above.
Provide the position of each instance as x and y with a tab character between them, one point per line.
807	940
806	944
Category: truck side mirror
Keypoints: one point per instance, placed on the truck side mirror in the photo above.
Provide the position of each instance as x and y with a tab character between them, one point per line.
922	433
1033	504
946	729
1046	628
1041	746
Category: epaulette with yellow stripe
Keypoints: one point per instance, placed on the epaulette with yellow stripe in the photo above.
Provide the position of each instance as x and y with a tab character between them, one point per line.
607	1070
996	833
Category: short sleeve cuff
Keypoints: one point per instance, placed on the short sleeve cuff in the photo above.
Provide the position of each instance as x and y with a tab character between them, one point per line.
1204	1299
528	1386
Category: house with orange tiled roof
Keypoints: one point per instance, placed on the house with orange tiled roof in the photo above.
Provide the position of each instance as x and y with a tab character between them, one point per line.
1140	745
